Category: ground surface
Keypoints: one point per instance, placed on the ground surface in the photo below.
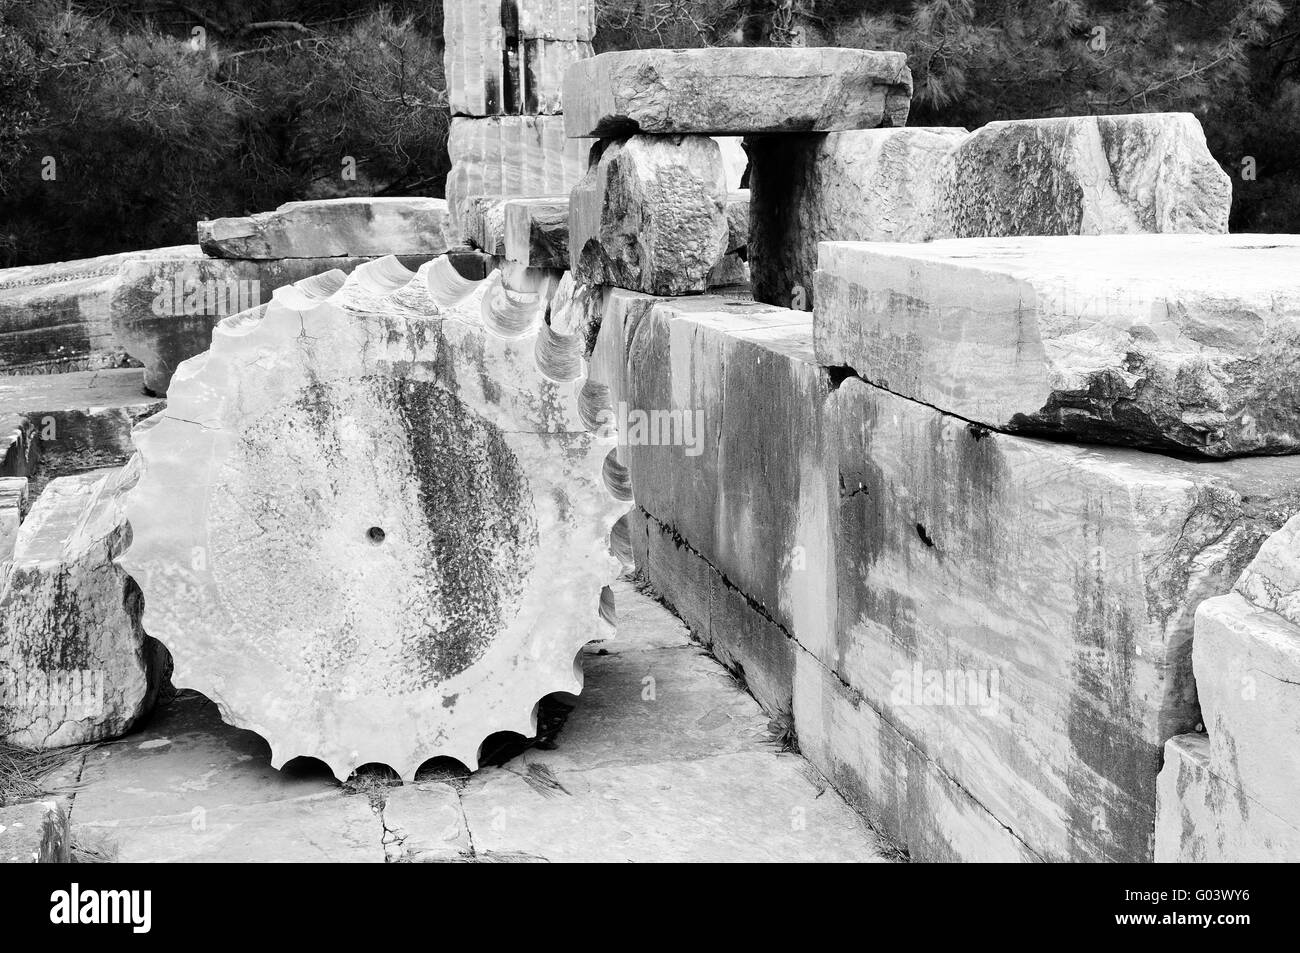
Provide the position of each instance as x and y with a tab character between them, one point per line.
662	758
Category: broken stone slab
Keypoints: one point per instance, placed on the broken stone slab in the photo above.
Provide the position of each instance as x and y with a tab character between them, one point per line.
423	823
512	156
13	507
1094	175
537	231
735	91
1082	667
511	59
80	420
362	226
650	215
34	833
18	452
299	628
1202	817
737	220
74	663
1179	343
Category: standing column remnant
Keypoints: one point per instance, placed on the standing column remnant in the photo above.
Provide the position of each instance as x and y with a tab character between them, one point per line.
505	65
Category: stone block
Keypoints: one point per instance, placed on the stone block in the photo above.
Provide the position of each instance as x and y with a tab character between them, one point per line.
74	664
360	227
537	232
1178	343
1202	817
13	507
34	833
1023	609
1092	175
512	156
650	215
735	91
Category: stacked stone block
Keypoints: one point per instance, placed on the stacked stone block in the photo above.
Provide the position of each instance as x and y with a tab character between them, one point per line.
505	64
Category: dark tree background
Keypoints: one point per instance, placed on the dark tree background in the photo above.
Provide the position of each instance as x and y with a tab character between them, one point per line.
150	126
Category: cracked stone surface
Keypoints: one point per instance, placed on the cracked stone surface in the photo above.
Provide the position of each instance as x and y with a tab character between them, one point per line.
676	768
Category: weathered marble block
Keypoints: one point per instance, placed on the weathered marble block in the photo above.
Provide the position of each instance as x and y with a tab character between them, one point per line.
369	526
332	228
1246	657
537	231
1183	343
74	663
1023	609
512	156
1203	817
735	91
650	215
1093	175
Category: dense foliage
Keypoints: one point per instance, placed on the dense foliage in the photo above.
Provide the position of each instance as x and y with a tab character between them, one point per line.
122	123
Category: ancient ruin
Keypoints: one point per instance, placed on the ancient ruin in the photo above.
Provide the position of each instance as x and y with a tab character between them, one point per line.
972	456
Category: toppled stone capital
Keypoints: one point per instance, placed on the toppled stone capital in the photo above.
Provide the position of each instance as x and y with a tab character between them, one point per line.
650	215
1180	343
736	91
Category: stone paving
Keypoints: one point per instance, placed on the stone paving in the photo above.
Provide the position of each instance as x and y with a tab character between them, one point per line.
662	758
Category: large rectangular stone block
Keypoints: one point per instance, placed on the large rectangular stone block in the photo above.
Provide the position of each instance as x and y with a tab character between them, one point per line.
1181	343
650	215
735	91
1022	609
333	228
512	156
1091	175
744	479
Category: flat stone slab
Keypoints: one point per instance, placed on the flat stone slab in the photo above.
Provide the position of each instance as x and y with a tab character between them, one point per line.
328	828
185	760
332	228
424	823
753	807
735	91
1179	343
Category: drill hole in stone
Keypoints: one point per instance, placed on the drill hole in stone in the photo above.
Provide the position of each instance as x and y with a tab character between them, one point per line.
375	535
